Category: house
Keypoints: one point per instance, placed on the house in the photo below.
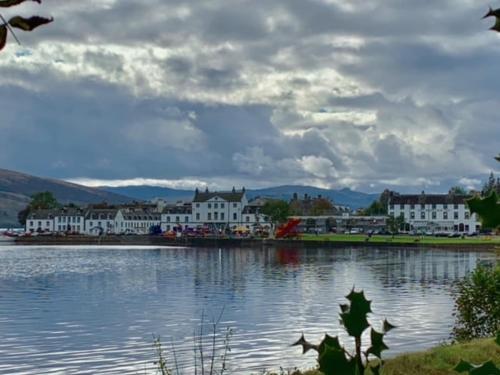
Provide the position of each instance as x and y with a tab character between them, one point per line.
138	220
437	213
69	219
40	221
219	209
100	220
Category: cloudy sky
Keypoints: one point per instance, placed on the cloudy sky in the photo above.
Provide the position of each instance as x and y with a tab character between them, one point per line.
333	93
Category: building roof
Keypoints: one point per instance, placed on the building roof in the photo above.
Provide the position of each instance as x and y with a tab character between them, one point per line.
184	209
101	213
41	215
428	199
228	196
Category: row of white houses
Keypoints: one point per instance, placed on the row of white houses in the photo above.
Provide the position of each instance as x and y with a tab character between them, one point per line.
218	210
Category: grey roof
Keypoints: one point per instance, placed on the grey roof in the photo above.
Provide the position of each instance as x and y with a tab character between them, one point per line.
41	215
416	199
140	214
69	211
101	213
184	209
228	196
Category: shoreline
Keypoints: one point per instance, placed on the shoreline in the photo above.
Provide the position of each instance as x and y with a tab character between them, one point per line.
242	242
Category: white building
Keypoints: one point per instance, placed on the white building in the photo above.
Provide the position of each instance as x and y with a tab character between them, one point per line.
100	220
40	221
445	213
178	216
135	221
69	219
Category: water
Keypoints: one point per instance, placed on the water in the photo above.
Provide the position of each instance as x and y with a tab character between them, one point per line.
93	310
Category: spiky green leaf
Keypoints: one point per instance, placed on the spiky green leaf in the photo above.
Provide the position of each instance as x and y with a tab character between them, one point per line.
497	340
387	326
378	344
487	368
487	208
3	36
332	342
354	318
359	302
11	3
333	361
463	366
29	24
376	369
306	345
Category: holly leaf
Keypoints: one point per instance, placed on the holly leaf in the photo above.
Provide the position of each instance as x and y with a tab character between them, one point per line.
306	345
497	340
354	318
28	24
332	342
487	368
376	369
3	36
378	344
10	3
487	208
359	302
387	326
463	366
497	158
333	361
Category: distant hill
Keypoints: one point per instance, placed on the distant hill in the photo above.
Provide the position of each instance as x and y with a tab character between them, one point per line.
16	189
353	199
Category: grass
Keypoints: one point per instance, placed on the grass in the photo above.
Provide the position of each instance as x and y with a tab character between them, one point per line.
438	361
404	239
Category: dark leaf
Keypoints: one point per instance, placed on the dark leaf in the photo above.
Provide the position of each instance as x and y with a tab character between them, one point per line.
334	362
376	369
378	344
488	209
10	3
497	158
463	366
3	36
498	338
332	342
306	346
387	326
487	368
28	24
359	302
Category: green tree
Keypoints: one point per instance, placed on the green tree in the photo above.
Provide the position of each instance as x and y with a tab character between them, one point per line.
394	224
457	190
25	24
39	201
277	210
376	208
321	206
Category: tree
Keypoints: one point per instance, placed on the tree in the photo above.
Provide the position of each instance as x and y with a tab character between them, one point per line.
394	224
376	208
25	24
277	210
457	190
489	186
39	201
321	206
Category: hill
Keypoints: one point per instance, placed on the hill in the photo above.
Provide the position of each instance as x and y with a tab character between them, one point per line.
348	197
16	189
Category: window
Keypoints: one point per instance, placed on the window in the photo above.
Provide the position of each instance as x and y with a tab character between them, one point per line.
197	216
222	205
402	206
168	219
412	206
422	206
39	223
186	219
58	219
197	205
177	219
31	223
434	214
422	215
234	205
445	215
210	205
433	206
216	205
455	215
467	215
209	216
216	216
391	207
235	216
247	219
222	215
445	206
47	223
412	215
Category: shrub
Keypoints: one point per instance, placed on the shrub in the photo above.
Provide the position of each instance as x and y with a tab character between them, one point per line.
477	304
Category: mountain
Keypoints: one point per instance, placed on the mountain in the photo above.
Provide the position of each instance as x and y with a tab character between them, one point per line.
16	189
347	197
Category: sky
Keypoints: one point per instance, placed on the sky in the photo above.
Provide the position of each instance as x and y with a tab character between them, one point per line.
368	94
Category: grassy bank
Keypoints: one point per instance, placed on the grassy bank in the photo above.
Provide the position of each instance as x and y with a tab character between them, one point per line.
403	239
438	361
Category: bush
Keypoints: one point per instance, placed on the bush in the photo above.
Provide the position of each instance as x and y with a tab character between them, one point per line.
477	304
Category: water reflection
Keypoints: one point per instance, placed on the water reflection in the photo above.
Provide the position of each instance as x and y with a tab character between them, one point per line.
94	309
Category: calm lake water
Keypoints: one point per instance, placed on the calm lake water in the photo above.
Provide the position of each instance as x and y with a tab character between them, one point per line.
94	310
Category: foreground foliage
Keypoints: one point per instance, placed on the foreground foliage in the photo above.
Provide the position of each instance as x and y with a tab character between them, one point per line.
487	368
22	23
477	304
334	359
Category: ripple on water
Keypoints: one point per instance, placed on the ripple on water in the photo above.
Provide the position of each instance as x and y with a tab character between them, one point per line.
88	310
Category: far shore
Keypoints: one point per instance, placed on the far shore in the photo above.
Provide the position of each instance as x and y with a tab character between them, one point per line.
491	243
